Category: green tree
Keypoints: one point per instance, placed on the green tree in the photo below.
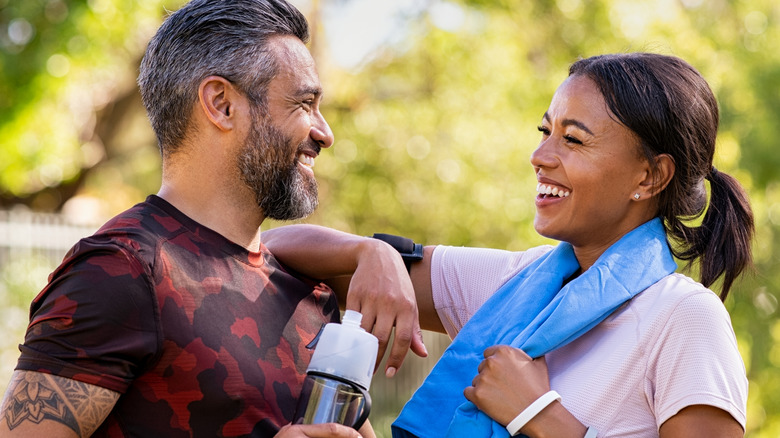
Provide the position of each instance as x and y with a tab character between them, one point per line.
433	134
69	106
433	138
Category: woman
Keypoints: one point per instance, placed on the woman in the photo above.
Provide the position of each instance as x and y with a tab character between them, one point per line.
632	348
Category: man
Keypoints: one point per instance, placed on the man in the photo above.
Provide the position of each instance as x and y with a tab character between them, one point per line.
174	319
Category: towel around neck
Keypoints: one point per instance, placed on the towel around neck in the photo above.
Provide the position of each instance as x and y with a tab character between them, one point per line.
537	311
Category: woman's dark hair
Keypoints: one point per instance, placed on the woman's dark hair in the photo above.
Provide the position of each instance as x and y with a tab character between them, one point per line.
671	109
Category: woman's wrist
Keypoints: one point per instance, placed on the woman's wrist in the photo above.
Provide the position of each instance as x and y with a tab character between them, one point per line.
531	411
367	248
410	252
554	421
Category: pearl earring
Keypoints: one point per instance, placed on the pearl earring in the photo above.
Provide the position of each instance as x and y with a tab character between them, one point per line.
636	196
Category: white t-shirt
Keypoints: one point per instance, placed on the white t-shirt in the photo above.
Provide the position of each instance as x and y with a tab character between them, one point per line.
670	347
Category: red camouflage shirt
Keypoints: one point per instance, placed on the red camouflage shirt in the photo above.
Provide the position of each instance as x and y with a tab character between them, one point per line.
201	337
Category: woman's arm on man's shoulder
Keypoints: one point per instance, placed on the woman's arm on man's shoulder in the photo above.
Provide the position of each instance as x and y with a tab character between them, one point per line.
369	276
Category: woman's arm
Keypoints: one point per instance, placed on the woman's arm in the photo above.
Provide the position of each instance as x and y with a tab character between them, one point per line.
509	381
369	276
701	421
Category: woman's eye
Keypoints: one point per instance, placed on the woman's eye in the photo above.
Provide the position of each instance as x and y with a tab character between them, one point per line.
543	129
571	139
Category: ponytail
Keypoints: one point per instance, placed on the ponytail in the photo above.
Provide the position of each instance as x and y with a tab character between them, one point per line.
722	242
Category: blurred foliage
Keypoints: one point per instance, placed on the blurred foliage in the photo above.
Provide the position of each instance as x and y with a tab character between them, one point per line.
433	134
67	79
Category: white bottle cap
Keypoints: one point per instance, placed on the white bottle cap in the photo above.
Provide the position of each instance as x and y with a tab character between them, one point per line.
346	350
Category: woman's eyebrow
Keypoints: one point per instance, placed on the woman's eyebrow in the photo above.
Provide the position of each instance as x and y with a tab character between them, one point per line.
570	122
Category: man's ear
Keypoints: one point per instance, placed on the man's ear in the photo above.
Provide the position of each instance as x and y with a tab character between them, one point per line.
217	98
658	178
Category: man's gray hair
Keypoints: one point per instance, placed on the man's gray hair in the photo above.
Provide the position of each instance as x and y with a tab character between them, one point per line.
227	38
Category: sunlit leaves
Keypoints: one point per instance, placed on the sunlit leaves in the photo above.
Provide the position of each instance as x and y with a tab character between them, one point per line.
61	62
433	135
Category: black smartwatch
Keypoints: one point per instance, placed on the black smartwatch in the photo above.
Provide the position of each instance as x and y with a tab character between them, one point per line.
410	252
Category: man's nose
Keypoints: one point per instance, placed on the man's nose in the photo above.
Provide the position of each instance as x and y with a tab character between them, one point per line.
320	132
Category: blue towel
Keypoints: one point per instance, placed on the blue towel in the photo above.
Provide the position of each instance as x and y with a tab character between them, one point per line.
536	312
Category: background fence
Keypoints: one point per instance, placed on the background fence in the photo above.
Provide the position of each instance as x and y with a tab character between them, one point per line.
33	244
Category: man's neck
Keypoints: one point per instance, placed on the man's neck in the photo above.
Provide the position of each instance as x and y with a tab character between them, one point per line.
237	221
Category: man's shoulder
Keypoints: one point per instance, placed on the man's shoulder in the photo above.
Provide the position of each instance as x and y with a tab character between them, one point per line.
139	227
151	217
127	239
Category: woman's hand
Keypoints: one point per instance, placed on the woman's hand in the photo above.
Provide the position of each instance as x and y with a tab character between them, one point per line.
382	291
380	288
508	381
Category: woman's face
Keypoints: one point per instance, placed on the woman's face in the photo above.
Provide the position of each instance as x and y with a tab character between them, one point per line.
592	166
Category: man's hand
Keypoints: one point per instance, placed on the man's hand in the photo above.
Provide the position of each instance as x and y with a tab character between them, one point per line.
381	290
327	430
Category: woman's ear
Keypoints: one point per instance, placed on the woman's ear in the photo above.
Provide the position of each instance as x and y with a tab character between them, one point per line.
659	177
217	98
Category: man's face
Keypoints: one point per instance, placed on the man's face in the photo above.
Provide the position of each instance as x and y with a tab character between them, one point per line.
282	190
278	154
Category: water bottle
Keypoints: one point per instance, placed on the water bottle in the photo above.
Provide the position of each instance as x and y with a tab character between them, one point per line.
338	377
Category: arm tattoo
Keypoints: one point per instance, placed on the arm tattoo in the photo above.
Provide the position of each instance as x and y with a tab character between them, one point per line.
35	397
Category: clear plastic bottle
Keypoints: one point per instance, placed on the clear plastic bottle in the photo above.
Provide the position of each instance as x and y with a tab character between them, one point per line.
339	375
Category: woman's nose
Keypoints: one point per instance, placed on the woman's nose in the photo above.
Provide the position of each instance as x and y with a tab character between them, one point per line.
543	155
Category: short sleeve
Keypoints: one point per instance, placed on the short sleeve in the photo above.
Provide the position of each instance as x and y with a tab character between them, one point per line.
696	361
464	278
95	321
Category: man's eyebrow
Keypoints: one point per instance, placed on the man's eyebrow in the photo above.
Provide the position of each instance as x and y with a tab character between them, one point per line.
570	122
306	90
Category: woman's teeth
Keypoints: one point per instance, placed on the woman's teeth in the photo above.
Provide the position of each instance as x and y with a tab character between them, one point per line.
549	190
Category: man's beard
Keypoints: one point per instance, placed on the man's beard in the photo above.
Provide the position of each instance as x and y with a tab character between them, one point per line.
281	190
